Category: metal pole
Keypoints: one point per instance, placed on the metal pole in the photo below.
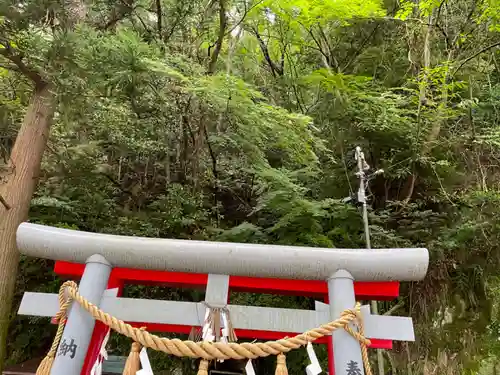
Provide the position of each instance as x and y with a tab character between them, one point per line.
362	167
347	351
80	325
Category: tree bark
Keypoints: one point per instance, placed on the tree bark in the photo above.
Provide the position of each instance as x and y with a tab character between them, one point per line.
159	15
220	38
422	99
19	181
17	186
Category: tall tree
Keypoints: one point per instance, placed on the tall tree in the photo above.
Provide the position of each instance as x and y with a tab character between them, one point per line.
19	177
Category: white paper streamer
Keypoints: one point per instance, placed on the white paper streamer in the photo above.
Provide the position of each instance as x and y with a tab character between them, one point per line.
145	364
225	330
249	368
207	331
314	368
101	357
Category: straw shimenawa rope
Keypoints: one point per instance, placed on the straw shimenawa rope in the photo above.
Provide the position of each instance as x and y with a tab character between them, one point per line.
133	363
60	318
213	350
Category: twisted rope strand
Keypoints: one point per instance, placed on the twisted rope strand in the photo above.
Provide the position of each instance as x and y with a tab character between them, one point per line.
219	350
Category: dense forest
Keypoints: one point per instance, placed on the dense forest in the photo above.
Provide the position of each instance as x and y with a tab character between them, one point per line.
237	120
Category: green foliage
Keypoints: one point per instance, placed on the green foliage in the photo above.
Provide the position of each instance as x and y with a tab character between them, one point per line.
311	12
146	143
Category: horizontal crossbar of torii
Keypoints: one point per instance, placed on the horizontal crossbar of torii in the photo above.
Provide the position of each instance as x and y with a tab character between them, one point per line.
225	258
191	314
338	267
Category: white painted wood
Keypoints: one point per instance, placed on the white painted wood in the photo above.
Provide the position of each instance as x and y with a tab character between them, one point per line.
243	317
223	258
381	327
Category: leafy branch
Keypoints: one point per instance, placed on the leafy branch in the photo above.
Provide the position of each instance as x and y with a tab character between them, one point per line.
10	54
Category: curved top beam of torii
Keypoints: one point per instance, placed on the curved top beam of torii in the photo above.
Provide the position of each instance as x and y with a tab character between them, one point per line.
290	262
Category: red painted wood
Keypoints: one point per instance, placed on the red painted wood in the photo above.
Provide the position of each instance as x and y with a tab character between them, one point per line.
306	288
331	359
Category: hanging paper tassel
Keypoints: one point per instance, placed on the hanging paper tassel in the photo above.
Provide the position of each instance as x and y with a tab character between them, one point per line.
228	326
195	334
207	332
215	320
103	355
225	330
314	368
203	368
228	334
133	361
280	365
145	364
249	368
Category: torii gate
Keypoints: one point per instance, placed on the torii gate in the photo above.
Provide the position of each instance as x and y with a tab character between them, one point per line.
166	260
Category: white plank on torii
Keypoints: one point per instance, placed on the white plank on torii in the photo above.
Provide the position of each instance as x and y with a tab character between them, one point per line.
242	317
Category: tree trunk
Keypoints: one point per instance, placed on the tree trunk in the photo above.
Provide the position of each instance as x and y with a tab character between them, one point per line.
17	187
220	38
